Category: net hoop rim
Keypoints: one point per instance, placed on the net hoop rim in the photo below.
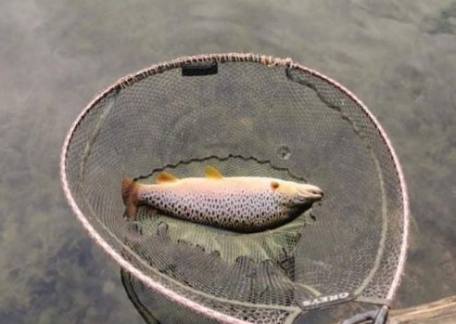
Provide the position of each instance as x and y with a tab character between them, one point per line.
221	58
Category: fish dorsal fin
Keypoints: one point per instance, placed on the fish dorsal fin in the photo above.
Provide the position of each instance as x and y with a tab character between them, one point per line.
213	173
165	177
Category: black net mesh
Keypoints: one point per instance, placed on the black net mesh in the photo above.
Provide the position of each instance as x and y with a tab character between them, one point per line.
248	119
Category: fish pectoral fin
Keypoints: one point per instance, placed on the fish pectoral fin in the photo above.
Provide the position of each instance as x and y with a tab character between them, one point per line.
165	177
213	172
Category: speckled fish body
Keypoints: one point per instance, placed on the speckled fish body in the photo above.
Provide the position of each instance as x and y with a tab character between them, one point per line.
241	204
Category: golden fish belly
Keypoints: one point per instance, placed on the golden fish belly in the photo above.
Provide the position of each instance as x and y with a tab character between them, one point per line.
239	210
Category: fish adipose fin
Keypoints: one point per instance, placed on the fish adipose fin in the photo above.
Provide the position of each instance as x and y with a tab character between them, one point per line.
165	177
130	197
213	173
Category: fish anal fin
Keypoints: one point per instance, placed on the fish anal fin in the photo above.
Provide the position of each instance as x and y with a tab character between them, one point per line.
213	172
165	177
130	197
132	211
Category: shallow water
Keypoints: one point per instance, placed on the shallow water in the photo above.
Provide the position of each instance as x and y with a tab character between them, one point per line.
398	57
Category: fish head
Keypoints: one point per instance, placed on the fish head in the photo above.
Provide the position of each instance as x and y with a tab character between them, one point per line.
296	194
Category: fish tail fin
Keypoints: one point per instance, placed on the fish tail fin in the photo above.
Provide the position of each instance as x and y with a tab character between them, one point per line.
130	197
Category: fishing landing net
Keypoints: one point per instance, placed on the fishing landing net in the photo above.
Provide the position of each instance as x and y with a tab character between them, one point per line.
247	115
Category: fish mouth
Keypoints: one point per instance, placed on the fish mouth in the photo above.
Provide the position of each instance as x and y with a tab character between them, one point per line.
310	195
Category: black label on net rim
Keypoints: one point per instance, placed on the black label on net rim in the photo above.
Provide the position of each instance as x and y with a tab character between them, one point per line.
323	301
199	68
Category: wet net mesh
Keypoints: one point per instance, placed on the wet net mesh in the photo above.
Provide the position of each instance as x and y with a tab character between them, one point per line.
257	116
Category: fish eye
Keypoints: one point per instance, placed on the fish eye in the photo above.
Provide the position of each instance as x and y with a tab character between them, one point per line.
274	185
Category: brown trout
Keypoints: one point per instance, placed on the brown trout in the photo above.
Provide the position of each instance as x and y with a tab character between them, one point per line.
241	204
